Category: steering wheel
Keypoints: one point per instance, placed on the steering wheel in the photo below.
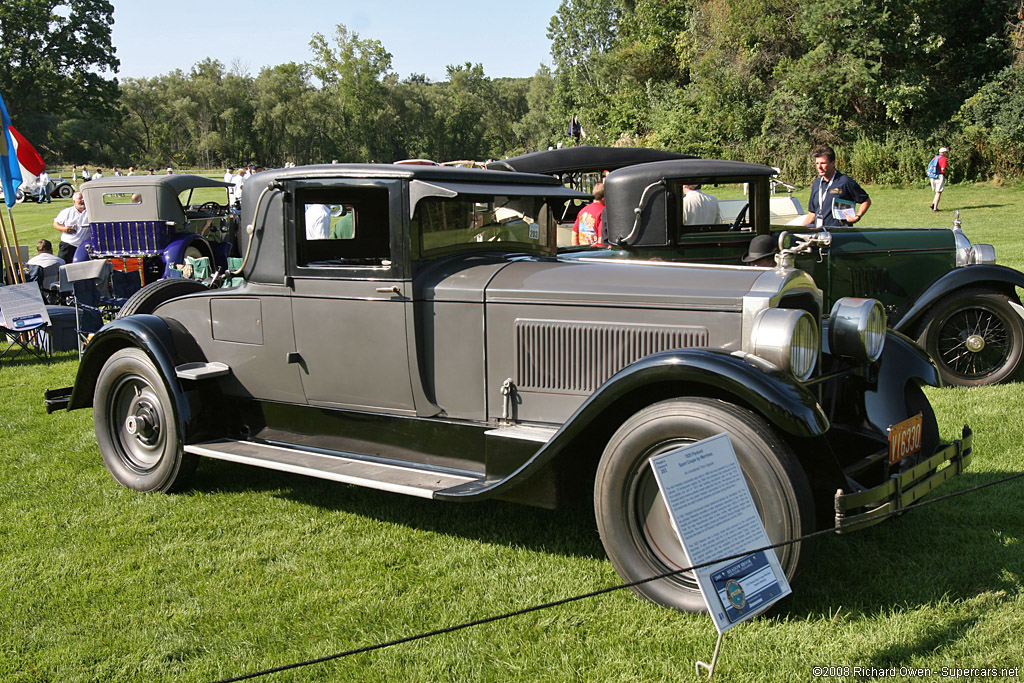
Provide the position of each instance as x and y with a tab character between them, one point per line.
211	207
739	218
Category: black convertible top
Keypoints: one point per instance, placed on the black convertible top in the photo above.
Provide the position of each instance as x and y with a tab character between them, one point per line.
583	158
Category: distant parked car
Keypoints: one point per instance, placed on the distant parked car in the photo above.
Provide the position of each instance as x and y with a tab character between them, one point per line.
935	285
426	340
153	224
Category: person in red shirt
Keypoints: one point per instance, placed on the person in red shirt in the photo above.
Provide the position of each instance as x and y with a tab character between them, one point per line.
587	228
939	184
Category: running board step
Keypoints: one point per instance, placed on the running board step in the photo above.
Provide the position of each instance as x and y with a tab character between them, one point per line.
346	469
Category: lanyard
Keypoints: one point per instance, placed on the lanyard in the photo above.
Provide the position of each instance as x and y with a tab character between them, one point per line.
822	193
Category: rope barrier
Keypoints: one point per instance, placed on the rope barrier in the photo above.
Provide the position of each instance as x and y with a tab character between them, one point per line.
602	591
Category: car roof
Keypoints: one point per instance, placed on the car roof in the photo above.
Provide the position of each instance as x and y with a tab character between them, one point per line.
583	158
688	168
177	183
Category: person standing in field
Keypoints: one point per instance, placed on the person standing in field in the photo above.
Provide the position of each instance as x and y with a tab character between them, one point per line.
937	170
831	185
73	222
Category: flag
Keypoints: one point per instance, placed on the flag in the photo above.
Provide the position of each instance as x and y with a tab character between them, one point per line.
28	157
10	169
575	129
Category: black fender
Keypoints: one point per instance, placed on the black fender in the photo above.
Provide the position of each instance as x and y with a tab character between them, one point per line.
152	335
775	395
902	362
997	278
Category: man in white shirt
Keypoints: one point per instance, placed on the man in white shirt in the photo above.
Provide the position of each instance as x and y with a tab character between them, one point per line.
699	208
44	255
318	222
73	222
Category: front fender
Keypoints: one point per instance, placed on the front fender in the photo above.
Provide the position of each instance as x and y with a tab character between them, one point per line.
149	333
903	361
777	396
998	278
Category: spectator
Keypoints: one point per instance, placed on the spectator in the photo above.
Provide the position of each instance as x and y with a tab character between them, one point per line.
131	171
318	222
44	255
74	223
44	187
699	208
938	168
830	186
117	172
587	229
170	171
151	172
98	174
229	174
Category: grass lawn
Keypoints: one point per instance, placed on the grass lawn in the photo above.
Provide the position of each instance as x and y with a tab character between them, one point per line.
251	569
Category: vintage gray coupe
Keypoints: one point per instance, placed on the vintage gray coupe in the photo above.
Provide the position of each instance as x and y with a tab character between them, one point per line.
411	329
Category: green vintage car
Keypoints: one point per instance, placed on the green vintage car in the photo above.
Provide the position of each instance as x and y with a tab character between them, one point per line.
935	285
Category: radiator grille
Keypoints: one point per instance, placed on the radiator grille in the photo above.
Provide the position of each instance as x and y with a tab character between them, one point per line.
869	281
577	357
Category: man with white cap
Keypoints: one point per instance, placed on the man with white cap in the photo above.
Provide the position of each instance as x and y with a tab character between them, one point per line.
937	169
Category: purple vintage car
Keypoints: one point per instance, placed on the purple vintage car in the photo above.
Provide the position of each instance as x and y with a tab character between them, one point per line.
151	224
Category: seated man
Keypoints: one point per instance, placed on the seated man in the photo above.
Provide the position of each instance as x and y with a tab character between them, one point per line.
699	208
44	255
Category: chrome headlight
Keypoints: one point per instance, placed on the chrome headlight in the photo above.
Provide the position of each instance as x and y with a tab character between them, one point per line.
983	254
963	248
857	329
787	338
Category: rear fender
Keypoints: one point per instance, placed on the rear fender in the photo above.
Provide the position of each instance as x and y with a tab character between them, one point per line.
996	278
175	250
152	335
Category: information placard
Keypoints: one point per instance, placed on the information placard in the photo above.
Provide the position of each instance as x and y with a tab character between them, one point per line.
714	516
22	307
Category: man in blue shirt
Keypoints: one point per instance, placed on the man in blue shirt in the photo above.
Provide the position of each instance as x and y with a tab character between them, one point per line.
823	210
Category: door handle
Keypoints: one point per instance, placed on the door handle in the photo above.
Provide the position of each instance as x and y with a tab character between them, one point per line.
293	357
393	289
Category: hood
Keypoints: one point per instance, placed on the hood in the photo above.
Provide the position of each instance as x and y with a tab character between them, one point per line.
624	284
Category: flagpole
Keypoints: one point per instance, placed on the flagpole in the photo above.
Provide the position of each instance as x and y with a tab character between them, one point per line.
17	248
6	248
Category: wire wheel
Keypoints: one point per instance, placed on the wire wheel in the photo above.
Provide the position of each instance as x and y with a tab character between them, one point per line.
975	338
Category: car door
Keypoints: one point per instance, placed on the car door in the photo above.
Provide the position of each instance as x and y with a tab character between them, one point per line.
350	306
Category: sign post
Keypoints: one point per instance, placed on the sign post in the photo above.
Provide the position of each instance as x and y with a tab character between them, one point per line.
714	516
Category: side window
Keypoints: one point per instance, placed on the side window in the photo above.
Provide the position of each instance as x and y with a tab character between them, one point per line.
342	227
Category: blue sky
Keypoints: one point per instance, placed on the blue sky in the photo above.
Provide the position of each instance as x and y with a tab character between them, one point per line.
424	37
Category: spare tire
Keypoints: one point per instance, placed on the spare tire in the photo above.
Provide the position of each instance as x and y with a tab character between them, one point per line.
152	295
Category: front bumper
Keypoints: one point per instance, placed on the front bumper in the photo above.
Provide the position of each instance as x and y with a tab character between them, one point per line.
861	509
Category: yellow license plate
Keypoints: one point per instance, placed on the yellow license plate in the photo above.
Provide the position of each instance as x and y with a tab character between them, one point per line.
905	439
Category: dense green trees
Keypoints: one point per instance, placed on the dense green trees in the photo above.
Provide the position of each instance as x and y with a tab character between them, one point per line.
762	80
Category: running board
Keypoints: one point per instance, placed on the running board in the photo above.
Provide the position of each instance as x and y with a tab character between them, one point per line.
410	481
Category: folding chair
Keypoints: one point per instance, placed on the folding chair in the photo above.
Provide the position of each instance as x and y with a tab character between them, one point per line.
89	281
27	333
49	283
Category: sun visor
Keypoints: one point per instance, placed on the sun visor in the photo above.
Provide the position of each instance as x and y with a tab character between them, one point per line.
419	189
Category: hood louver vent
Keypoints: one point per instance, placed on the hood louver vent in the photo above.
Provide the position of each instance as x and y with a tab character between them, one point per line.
577	357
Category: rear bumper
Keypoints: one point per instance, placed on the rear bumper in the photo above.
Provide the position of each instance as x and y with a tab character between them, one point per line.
863	508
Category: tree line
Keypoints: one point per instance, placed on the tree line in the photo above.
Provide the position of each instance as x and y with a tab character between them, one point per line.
885	83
